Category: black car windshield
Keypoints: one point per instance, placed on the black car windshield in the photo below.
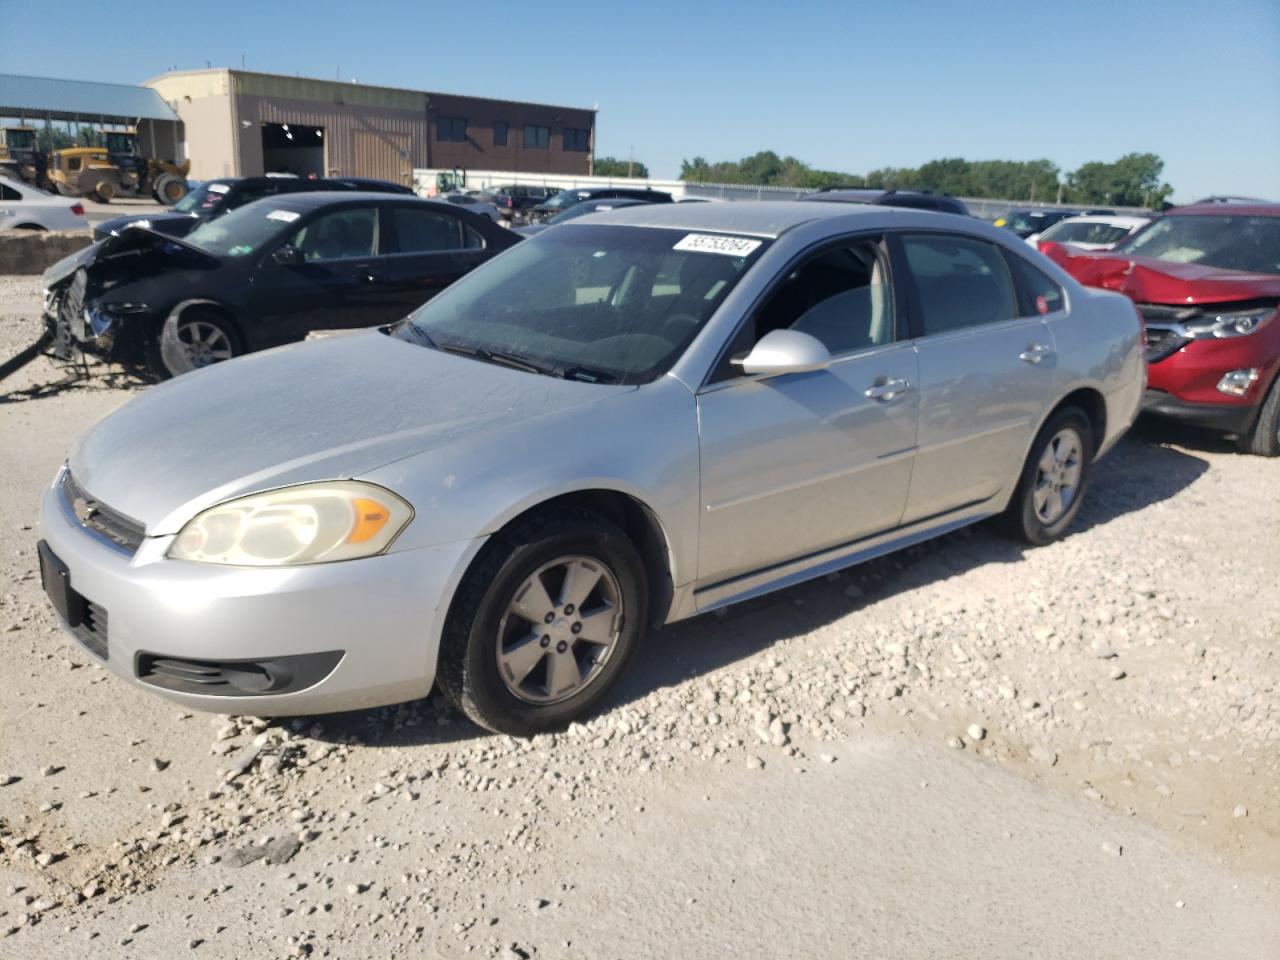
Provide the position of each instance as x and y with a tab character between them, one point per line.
204	198
566	198
243	231
582	209
604	303
1251	244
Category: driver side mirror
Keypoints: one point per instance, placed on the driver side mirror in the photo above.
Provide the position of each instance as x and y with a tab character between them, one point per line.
785	351
288	256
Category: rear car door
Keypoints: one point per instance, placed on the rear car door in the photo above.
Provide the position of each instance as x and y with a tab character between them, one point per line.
987	371
802	462
429	247
340	281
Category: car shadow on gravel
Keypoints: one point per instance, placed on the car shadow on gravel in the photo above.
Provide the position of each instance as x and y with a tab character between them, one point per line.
1140	472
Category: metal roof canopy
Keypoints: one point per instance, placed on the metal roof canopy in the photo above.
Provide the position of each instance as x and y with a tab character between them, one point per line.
40	97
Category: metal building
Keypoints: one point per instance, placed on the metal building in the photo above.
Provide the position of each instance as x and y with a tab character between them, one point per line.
72	104
242	123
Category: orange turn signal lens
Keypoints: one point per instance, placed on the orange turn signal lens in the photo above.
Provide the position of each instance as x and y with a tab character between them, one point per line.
371	516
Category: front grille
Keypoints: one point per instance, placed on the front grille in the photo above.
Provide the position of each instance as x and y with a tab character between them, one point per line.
1163	342
101	519
92	630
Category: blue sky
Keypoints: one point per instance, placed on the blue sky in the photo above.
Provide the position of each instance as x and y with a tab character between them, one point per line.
840	85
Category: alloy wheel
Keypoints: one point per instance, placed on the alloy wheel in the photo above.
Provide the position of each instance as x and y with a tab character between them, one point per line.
559	630
203	343
1058	476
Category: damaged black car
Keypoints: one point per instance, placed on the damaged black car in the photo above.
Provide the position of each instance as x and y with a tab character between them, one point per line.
266	274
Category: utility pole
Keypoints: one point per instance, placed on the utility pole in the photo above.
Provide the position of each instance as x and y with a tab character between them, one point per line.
631	161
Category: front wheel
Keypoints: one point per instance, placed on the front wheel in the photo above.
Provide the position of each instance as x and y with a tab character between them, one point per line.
196	338
1263	439
1054	479
543	623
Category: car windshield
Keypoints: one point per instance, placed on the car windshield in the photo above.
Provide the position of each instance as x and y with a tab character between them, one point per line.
582	209
1030	222
602	303
1084	231
242	231
203	198
1251	244
566	198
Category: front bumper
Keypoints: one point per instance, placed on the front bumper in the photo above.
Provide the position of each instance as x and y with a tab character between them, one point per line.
158	622
1224	417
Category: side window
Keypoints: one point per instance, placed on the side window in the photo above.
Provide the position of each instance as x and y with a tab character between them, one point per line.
73	163
426	231
1040	294
962	282
841	296
239	198
347	234
8	193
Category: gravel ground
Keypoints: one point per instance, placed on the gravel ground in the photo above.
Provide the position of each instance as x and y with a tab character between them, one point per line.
964	749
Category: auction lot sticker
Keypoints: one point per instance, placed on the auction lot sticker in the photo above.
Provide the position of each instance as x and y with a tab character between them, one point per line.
713	243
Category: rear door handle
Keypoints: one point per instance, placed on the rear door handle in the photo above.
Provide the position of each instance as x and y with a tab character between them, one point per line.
885	390
1035	353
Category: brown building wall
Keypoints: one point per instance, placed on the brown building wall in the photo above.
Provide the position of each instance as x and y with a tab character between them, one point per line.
481	152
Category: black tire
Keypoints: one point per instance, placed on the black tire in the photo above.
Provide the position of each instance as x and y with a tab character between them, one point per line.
169	189
157	363
1263	439
1022	520
468	670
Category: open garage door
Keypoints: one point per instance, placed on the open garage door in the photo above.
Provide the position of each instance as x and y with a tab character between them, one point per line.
384	156
293	148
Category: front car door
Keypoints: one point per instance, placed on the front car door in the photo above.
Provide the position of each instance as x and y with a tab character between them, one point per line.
799	463
986	369
339	283
428	249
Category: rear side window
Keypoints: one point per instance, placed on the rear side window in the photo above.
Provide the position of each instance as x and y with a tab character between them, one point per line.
428	231
8	193
1039	293
961	282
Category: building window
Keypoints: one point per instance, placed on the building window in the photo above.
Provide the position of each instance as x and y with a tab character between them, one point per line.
500	133
451	128
576	140
536	138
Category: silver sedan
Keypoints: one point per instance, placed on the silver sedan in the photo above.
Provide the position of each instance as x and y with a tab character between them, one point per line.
628	420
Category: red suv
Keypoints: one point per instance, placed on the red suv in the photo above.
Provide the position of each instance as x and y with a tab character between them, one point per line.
1206	280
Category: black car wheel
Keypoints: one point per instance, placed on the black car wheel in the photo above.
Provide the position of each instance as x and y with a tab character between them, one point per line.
543	623
201	337
1263	440
1054	479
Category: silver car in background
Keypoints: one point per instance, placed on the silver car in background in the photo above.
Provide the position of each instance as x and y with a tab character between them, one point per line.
620	423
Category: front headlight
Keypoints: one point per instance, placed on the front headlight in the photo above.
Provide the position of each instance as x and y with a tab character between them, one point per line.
1227	325
308	523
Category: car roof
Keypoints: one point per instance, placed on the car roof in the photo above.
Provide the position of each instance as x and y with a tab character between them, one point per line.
1227	210
759	218
311	199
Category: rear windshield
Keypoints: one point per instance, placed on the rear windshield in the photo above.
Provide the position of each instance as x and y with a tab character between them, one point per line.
1250	244
204	198
1076	231
600	303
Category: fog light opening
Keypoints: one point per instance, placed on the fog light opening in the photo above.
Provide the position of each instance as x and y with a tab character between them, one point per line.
1236	383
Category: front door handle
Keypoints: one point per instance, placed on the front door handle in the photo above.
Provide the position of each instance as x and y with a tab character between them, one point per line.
885	390
1035	353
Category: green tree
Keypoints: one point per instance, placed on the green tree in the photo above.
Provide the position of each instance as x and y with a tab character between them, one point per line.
613	167
1131	181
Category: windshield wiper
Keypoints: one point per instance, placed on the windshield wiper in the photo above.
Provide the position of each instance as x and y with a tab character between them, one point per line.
589	375
501	359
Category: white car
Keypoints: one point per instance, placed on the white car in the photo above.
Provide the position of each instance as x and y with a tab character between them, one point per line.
1091	232
476	204
24	207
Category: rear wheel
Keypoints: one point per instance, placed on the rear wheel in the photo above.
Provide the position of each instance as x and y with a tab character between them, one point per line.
202	337
1263	440
543	623
1054	479
169	189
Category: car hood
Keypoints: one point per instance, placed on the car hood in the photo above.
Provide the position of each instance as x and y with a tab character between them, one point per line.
329	409
139	240
1146	280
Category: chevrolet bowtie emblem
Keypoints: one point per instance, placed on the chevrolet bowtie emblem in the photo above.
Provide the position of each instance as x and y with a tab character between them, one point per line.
85	510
